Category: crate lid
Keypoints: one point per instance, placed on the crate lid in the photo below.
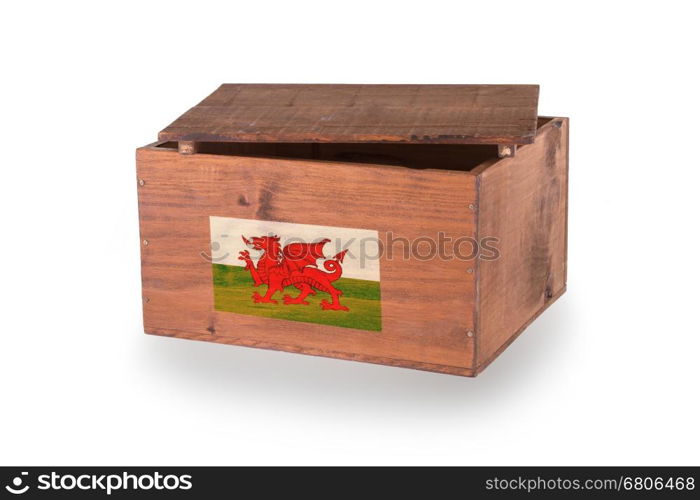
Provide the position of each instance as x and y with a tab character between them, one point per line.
413	114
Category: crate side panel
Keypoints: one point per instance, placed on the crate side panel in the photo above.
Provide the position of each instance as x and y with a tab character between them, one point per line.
523	203
426	304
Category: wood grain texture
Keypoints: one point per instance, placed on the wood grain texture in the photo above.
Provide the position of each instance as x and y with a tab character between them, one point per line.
461	114
522	201
426	306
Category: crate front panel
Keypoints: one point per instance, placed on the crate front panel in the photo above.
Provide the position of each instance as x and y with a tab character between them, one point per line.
427	304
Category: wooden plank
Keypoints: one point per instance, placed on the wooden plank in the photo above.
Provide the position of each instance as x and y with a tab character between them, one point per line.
522	201
313	351
426	305
448	114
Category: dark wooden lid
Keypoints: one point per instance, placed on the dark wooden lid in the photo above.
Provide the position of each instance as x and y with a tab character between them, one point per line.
454	114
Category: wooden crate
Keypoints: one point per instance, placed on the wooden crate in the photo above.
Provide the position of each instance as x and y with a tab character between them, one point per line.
444	207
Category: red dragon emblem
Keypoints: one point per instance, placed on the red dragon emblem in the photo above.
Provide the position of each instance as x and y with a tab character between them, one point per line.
294	265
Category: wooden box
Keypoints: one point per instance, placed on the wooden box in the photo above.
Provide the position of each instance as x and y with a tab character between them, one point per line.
421	226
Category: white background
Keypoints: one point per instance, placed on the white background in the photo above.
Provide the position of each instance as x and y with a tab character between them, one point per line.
609	375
